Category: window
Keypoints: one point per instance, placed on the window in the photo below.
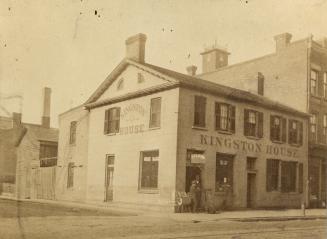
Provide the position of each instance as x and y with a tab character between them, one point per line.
253	123
72	137
112	120
295	131
288	176
300	177
155	112
199	111
140	78
313	127
314	83
149	170
325	129
224	172
48	154
325	85
70	176
250	163
277	128
272	175
120	84
225	117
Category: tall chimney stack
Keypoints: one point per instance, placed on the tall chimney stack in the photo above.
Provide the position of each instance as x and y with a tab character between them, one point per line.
191	70
261	84
282	41
46	107
135	47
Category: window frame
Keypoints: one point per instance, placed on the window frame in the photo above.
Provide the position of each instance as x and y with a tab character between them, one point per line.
315	81
152	123
70	175
256	127
221	171
108	122
272	174
230	117
281	130
325	85
199	112
298	132
72	132
313	124
288	173
151	188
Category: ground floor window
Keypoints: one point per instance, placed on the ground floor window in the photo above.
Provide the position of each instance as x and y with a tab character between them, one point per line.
288	180
149	164
272	175
224	172
70	176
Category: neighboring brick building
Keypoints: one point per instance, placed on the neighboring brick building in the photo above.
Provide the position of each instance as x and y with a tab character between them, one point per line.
296	74
147	132
28	154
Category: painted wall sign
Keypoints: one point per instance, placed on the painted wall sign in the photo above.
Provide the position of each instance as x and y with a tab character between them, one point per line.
248	146
133	129
132	112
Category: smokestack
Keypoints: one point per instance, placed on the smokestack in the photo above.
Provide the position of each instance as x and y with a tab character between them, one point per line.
46	107
261	83
135	47
191	70
17	119
282	40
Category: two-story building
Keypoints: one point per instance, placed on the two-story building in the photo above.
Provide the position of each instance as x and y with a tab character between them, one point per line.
147	132
295	74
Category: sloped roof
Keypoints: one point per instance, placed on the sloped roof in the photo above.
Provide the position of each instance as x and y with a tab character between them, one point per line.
187	81
42	133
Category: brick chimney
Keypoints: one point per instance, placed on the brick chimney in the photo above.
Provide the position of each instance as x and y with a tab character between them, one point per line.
261	84
46	107
214	58
135	47
16	119
282	41
191	70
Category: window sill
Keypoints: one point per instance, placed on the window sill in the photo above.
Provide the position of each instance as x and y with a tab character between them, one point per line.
277	142
149	191
224	132
154	128
111	134
199	128
253	137
295	145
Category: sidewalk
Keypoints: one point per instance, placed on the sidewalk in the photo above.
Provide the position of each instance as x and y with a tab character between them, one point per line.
242	215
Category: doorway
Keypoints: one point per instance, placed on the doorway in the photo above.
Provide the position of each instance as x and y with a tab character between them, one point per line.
250	202
192	172
109	174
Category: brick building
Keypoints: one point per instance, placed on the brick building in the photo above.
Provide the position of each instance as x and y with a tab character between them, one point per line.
147	132
295	74
28	154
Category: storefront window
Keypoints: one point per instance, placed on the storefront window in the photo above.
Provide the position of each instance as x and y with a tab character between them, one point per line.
288	177
224	172
149	169
272	174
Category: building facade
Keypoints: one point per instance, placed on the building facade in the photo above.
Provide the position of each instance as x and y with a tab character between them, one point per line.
294	74
147	132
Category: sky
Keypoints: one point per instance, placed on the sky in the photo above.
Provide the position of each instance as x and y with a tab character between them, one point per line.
72	45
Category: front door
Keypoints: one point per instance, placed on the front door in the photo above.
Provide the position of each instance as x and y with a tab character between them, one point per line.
250	190
109	174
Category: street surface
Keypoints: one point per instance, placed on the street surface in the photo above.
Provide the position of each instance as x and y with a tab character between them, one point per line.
30	220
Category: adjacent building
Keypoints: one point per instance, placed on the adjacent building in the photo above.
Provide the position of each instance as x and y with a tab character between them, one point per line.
147	132
295	74
28	156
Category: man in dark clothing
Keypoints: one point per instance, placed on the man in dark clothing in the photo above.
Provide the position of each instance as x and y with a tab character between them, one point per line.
195	194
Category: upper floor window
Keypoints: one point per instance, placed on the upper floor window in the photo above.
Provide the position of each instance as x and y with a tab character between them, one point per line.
295	132
325	128
314	82
225	117
199	111
72	134
253	123
48	154
313	127
112	120
325	85
277	128
120	84
155	112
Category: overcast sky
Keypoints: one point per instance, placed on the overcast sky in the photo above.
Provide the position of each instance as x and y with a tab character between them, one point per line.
66	46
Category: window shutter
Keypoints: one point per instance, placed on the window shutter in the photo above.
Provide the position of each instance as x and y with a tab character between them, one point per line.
232	118
290	141
246	120
117	119
106	121
260	124
217	113
284	122
268	175
272	118
300	126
